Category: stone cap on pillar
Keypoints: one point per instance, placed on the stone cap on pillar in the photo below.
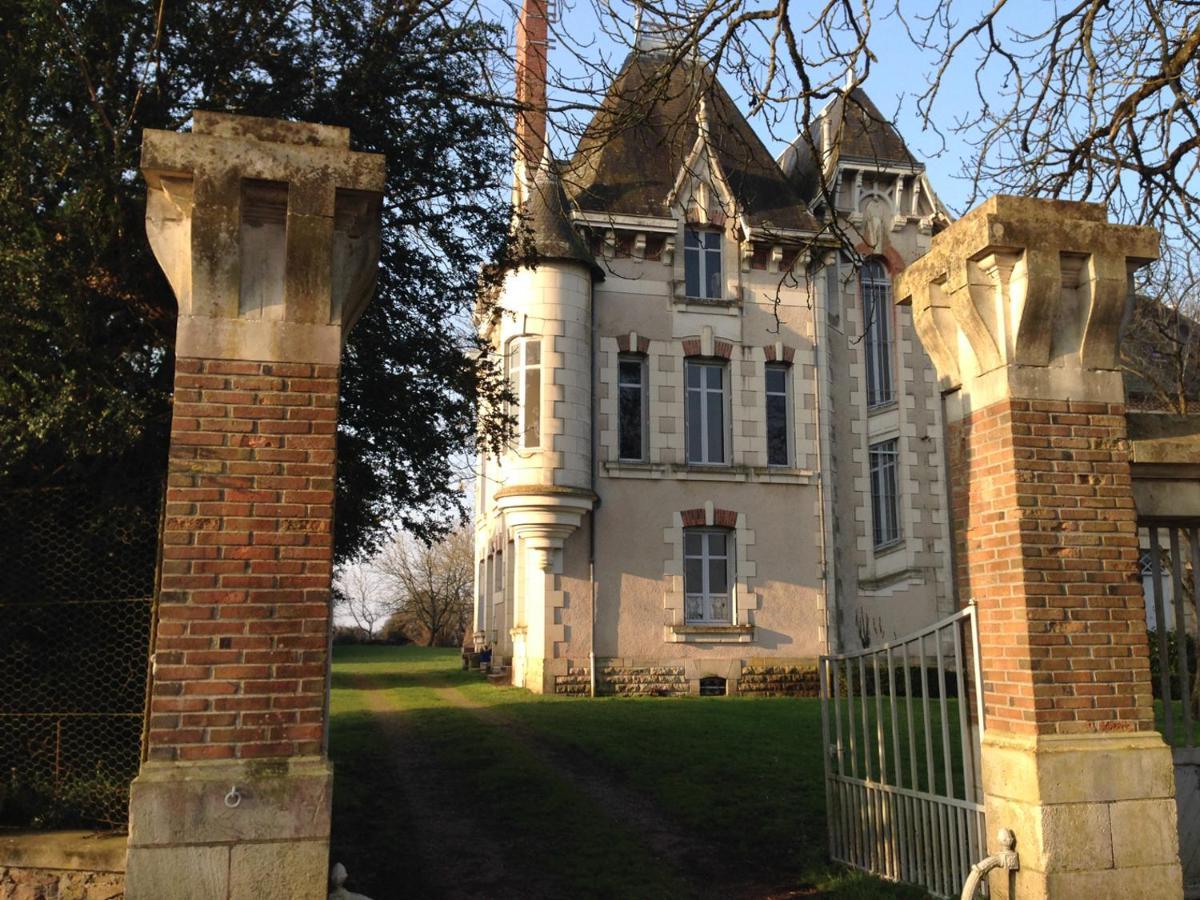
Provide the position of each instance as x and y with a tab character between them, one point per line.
268	231
1025	297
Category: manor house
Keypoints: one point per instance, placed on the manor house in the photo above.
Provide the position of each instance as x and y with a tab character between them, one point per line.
729	450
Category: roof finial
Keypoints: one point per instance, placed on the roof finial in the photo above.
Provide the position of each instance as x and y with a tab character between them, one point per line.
637	23
547	163
702	118
850	79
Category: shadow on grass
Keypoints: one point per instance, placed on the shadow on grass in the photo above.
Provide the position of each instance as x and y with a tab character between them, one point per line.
430	801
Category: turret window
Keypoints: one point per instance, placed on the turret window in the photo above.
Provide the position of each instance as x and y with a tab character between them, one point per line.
525	372
702	264
877	316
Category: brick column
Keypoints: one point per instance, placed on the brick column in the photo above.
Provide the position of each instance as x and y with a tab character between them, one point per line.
269	234
1019	305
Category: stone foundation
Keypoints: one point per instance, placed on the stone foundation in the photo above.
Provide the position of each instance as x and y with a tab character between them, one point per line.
772	681
61	865
576	683
656	681
191	837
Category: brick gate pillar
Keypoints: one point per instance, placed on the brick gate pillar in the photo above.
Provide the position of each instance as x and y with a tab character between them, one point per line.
268	232
1019	304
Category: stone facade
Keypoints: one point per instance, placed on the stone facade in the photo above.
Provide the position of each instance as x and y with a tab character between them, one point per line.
579	548
641	680
780	681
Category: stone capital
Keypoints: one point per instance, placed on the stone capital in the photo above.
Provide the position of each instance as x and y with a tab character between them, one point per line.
268	232
1025	298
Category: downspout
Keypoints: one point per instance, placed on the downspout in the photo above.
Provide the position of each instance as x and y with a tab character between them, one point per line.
596	502
823	446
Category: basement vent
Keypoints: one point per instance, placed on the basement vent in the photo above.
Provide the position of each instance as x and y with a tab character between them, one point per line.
713	686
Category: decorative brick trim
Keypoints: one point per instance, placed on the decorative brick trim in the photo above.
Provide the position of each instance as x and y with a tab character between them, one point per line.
635	341
691	346
779	353
721	518
889	256
724	518
723	349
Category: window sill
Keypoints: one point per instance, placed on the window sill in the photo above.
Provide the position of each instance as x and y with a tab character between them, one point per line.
889	548
885	406
738	473
710	634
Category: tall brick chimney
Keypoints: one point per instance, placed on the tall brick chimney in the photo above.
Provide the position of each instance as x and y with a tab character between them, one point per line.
532	44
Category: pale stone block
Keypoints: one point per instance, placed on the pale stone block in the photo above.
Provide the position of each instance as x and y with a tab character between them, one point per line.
1076	837
288	871
1144	832
1156	882
184	803
180	873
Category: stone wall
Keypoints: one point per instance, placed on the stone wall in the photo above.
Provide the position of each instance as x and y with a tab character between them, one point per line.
59	884
658	681
767	681
61	865
577	682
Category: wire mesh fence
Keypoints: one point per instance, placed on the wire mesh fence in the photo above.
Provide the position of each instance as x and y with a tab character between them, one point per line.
77	573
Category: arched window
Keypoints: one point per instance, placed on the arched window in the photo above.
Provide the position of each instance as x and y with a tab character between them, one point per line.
525	374
877	327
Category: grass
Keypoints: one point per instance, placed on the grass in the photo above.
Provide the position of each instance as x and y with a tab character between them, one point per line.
492	791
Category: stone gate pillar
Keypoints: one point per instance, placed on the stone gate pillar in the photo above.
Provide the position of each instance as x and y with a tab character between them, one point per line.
268	232
1019	305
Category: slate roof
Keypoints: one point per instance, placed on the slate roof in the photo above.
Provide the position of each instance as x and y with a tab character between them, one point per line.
548	216
866	136
631	153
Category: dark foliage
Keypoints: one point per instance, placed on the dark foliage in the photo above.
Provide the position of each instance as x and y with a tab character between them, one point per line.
87	317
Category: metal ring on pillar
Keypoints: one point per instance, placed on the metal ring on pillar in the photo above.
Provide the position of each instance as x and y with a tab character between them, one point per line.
233	799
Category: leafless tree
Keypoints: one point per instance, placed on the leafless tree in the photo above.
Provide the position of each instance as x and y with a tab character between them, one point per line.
1161	348
362	595
431	584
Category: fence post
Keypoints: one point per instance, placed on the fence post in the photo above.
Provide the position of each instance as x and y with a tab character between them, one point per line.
268	232
1019	304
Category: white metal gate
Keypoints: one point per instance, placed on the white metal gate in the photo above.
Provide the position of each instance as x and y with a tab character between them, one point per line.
1172	596
902	724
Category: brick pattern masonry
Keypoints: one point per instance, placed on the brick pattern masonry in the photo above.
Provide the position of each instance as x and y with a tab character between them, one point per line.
247	546
577	682
55	884
655	680
1049	552
795	681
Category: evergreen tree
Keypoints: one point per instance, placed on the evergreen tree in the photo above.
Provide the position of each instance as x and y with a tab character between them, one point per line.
87	318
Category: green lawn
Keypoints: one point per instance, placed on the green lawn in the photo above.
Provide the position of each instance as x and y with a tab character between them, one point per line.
449	786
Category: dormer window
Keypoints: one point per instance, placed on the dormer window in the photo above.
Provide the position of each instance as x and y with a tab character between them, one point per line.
702	263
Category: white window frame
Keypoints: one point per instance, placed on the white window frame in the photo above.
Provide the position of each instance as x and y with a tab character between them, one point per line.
706	595
704	258
884	476
876	289
529	429
786	371
643	389
703	390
